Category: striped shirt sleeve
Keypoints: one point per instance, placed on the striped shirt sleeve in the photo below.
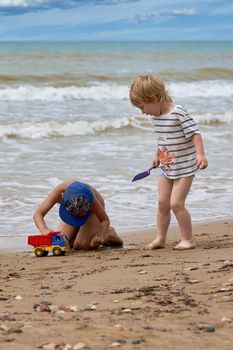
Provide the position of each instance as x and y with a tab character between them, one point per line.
188	124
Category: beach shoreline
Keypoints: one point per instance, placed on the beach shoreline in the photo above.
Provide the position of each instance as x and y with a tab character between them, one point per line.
129	298
18	243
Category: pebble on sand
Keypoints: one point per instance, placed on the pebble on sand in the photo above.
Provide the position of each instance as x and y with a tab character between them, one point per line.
127	310
191	268
137	340
206	328
79	346
115	344
47	346
226	319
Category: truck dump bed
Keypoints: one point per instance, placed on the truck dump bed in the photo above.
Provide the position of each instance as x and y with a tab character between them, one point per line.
40	240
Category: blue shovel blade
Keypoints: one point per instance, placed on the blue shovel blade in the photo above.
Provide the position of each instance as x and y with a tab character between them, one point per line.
144	174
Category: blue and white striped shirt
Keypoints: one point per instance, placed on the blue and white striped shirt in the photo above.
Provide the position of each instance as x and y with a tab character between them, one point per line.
174	133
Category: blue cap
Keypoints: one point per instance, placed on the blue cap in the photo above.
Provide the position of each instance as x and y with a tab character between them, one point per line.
76	204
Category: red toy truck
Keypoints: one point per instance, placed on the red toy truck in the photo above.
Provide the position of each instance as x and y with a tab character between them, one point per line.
54	242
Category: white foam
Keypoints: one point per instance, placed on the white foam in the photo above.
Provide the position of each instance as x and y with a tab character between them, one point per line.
66	128
97	92
104	91
32	130
204	88
211	118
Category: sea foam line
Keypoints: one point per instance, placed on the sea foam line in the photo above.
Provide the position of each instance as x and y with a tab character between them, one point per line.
67	128
104	91
46	93
64	128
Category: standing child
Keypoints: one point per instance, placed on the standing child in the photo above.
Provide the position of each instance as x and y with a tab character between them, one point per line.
180	153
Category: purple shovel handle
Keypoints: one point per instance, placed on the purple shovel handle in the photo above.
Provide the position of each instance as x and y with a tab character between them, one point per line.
144	174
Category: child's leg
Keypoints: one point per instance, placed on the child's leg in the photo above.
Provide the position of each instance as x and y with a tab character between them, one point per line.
87	238
180	190
69	231
80	237
163	212
93	225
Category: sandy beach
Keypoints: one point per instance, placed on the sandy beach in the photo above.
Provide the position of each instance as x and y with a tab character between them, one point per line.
129	298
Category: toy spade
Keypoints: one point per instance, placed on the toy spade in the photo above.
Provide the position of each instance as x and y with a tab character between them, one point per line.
144	174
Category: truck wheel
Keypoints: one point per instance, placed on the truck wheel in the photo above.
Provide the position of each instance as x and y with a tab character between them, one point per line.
39	252
57	251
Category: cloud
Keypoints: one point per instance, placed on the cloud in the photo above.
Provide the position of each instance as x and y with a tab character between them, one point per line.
17	7
110	2
181	12
169	13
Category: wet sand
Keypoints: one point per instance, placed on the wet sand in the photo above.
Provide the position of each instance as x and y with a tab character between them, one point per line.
126	298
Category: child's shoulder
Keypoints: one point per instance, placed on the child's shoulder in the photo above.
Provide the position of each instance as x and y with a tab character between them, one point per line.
180	109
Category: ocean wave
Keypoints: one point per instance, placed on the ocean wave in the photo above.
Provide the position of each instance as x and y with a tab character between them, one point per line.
96	92
123	76
55	80
70	128
213	118
58	80
105	91
200	74
214	73
206	89
65	128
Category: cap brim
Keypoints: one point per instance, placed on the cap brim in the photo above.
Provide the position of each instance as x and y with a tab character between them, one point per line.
75	221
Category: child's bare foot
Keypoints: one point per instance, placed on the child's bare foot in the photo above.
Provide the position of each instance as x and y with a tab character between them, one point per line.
156	244
185	245
96	241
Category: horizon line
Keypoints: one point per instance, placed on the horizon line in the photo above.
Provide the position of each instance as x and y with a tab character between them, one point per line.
115	41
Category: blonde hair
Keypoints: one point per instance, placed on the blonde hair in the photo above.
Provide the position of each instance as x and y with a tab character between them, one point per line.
148	88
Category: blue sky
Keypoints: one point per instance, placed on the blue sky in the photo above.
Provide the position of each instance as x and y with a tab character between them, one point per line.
118	20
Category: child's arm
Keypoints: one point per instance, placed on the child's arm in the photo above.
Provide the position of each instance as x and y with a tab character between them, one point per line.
156	158
202	162
104	222
53	198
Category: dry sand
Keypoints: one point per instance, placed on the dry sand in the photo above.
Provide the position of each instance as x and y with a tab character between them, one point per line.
129	298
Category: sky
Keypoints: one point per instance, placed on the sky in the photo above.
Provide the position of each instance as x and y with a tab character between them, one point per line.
116	20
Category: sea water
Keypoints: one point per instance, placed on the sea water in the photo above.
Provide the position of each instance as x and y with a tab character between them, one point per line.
65	113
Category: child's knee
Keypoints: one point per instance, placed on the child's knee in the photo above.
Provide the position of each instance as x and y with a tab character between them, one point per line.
163	206
81	245
177	206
